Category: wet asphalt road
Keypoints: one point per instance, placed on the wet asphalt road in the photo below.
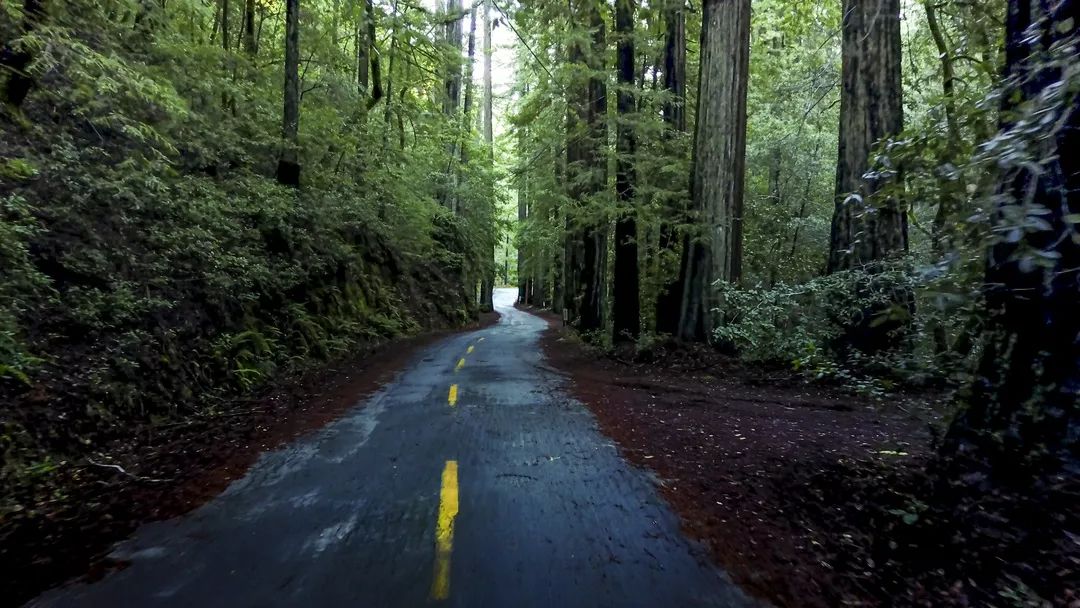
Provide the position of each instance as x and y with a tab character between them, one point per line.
510	498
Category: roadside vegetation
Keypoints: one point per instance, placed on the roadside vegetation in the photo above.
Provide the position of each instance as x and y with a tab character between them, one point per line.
201	200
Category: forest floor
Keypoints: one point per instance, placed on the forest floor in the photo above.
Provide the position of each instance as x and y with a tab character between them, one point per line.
796	488
168	470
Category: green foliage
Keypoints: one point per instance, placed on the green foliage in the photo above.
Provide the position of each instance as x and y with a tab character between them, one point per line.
152	266
803	325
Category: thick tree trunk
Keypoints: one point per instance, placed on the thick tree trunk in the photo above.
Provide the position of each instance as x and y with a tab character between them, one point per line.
1018	432
868	226
719	163
586	242
669	299
1024	407
625	303
14	60
866	229
288	171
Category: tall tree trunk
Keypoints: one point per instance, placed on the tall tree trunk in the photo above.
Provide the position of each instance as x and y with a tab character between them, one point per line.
388	110
226	39
868	226
487	287
452	80
15	59
586	243
363	52
719	163
288	171
249	28
452	98
625	304
466	115
373	53
1018	432
523	216
866	229
669	299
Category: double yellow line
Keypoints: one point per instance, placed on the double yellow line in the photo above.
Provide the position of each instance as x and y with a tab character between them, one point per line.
448	509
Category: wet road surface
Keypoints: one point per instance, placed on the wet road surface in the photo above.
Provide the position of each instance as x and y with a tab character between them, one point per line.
471	480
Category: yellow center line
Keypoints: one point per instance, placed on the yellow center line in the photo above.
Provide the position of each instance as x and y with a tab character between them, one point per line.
470	349
452	397
460	364
444	531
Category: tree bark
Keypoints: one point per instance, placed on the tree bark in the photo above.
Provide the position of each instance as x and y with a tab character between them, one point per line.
226	39
625	303
719	163
866	229
586	243
669	299
249	28
488	283
288	171
452	100
1018	429
16	59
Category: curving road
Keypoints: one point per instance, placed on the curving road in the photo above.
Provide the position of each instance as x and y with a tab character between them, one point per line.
471	480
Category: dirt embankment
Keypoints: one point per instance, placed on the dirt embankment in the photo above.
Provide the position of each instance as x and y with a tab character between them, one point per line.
793	487
171	469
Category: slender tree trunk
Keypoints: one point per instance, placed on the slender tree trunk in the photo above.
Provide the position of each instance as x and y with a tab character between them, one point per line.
452	99
388	110
626	305
466	115
669	298
363	52
288	171
14	60
523	217
866	229
1018	431
719	163
249	28
488	284
226	39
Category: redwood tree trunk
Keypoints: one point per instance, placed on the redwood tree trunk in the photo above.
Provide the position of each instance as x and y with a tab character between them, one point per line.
719	163
669	300
625	304
288	171
1021	418
871	109
488	286
1012	454
586	242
